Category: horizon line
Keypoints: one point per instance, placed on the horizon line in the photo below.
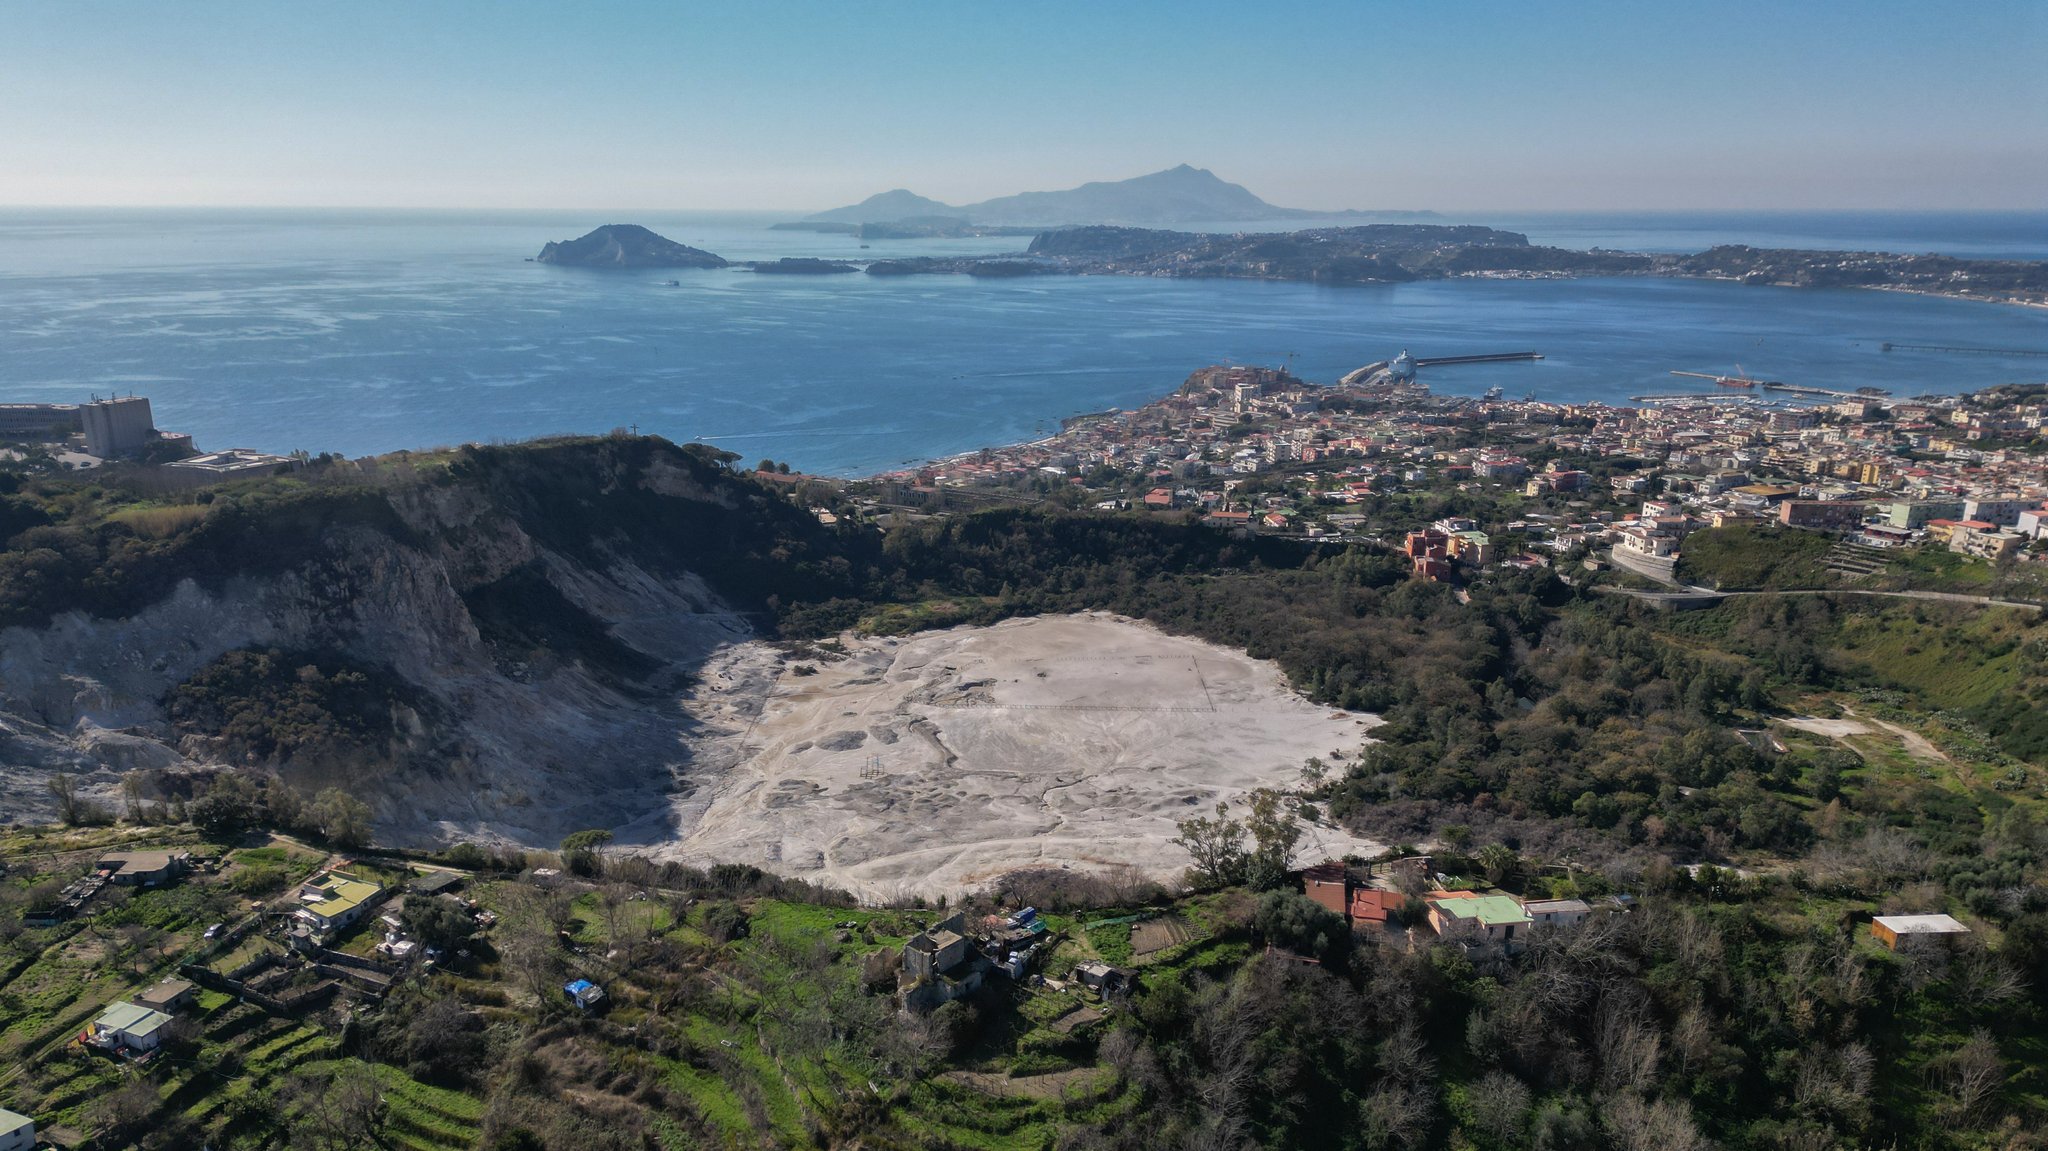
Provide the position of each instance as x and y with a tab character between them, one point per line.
2031	209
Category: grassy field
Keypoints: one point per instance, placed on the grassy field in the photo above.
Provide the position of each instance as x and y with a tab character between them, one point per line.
1755	556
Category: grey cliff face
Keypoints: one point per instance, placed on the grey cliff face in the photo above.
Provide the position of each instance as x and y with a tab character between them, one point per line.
506	753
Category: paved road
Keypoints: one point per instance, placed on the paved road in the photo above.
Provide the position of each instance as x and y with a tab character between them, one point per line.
1696	594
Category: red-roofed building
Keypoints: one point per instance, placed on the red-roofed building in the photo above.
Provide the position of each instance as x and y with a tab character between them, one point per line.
1433	544
1326	883
1371	907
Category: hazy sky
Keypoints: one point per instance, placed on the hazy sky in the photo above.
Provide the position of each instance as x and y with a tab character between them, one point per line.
1449	104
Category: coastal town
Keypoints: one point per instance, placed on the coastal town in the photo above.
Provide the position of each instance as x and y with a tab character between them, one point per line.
1521	483
1256	449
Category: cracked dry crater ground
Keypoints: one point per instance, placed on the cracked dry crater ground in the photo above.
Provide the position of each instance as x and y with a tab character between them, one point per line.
934	763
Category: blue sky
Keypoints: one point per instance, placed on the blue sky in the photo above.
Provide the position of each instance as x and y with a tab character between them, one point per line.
1457	104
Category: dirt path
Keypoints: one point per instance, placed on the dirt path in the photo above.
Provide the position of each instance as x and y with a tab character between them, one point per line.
1916	745
1050	1085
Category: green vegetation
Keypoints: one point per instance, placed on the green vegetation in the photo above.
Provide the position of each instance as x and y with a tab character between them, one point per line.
1755	556
275	707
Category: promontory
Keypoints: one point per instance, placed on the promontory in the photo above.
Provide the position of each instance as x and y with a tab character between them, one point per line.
627	246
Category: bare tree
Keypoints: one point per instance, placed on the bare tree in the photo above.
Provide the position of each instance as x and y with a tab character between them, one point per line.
1692	1040
1661	1126
1395	1115
1971	1074
337	1108
122	1113
533	955
1982	980
1629	1046
65	789
1834	1081
1500	1107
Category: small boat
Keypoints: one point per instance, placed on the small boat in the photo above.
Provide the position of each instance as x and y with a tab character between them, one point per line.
671	283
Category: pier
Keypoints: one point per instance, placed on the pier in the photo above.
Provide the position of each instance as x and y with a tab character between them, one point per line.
1704	397
1489	358
1832	393
1365	374
1954	351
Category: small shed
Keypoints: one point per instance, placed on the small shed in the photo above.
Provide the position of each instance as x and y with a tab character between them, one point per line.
1103	978
143	868
1558	912
1890	930
435	882
168	996
585	994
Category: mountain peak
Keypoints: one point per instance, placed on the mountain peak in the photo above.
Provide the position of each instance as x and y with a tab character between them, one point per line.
886	207
1182	194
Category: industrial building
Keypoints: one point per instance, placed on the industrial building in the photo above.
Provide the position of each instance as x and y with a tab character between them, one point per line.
230	464
120	426
39	420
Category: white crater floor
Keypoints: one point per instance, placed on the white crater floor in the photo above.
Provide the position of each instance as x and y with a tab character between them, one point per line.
932	764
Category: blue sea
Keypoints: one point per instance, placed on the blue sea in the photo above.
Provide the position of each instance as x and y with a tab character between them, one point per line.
361	332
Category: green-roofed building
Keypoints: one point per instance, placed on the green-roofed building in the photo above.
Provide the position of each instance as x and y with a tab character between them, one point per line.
130	1026
333	900
1494	918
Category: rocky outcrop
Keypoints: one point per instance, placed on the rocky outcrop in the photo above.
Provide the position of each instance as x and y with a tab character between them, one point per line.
626	246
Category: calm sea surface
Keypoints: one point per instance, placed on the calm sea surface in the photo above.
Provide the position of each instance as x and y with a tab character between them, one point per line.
360	332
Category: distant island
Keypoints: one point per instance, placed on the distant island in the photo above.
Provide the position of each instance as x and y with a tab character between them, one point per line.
1179	195
1364	254
626	246
1372	253
1400	253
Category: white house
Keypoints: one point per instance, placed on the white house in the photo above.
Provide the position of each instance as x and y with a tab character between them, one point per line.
128	1026
17	1131
1557	912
